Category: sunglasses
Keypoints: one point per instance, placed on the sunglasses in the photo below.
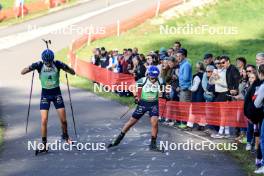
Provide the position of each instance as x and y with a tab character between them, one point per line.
152	79
209	71
47	63
248	71
222	62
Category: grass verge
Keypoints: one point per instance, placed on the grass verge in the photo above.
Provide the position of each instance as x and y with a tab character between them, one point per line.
246	38
239	21
242	16
88	85
10	4
245	158
30	16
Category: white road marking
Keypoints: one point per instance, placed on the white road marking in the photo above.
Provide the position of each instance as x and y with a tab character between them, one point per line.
178	173
132	154
203	138
16	39
202	173
121	159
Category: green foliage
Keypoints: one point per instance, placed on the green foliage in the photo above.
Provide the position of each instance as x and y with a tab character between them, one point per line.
245	16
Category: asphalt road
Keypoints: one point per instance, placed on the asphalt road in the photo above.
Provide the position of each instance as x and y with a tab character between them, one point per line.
97	118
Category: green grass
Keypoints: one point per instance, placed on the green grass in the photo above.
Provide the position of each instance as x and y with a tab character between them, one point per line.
245	15
245	158
10	3
28	17
13	21
85	84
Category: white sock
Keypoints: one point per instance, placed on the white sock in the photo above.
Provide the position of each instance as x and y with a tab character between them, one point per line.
221	130
227	132
190	124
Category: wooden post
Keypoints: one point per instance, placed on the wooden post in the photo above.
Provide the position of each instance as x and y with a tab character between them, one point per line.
22	10
118	28
158	8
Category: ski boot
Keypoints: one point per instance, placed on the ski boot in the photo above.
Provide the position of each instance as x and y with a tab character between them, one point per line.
117	140
153	146
65	137
44	150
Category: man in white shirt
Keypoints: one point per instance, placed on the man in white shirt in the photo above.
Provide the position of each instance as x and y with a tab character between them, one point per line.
221	90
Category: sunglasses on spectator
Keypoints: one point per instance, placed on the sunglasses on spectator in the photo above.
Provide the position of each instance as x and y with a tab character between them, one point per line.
222	62
209	71
248	71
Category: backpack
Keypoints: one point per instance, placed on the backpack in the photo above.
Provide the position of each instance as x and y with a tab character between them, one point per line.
144	83
252	113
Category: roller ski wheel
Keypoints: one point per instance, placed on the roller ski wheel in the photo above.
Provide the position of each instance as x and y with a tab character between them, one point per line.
116	141
154	148
37	152
112	145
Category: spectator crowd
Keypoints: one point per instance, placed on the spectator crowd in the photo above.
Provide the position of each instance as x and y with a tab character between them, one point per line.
215	79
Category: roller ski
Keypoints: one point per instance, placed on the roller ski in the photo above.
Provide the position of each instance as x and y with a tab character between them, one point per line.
44	150
117	140
37	152
153	147
66	139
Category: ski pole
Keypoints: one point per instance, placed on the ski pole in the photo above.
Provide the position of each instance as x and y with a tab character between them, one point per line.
73	119
164	108
166	100
30	96
124	114
47	42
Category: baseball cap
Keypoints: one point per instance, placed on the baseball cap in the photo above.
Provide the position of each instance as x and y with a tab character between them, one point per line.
182	51
208	55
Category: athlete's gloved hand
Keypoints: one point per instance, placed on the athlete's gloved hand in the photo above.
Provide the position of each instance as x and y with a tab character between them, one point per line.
136	99
167	97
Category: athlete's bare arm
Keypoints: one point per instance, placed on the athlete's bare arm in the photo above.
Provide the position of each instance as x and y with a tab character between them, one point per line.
68	69
25	71
134	90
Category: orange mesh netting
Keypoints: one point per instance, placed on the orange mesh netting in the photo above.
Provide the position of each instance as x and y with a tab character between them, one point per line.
213	113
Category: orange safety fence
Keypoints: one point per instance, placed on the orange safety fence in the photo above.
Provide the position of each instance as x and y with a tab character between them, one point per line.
124	25
117	81
29	8
213	113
